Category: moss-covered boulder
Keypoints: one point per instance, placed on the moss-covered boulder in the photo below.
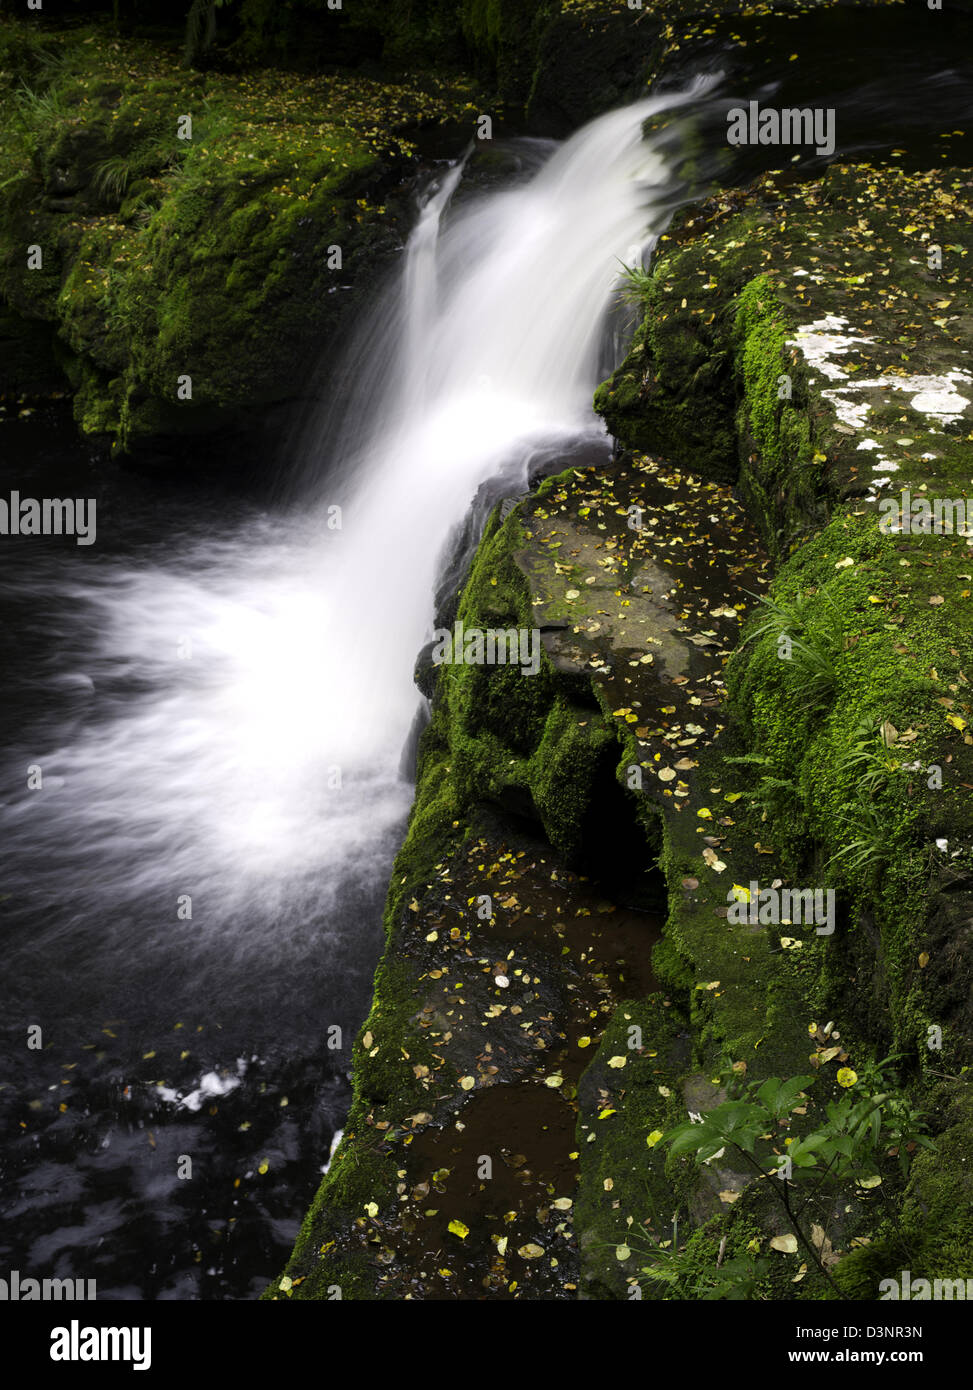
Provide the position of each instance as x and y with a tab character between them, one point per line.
746	725
194	239
825	324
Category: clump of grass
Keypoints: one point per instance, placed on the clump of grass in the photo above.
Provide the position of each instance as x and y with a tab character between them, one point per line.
112	177
815	637
875	765
870	847
38	106
773	793
636	285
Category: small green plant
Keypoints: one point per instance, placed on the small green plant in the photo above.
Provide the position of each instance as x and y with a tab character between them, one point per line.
111	178
689	1272
848	1143
814	638
875	765
15	178
872	756
679	1274
35	107
636	285
773	794
142	209
870	846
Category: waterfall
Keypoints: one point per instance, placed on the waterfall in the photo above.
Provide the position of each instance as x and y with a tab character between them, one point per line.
223	704
490	353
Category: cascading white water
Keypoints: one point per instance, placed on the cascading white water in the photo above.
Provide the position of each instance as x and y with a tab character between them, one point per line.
217	776
492	351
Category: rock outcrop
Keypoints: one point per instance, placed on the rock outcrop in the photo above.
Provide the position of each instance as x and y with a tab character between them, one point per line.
779	689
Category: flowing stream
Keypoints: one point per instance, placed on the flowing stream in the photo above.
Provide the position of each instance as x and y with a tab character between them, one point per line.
217	695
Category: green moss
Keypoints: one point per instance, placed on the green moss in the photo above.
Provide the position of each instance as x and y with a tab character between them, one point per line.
854	730
894	663
217	257
775	425
669	396
614	1153
937	1216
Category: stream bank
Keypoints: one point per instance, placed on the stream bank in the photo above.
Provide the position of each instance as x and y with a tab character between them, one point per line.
822	288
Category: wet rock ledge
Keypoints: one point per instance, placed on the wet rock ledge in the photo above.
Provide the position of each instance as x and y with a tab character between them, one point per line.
566	872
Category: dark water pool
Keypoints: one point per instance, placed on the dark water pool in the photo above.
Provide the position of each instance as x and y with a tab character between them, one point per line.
164	1130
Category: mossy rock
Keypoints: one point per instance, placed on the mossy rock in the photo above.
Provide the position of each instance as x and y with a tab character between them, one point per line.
197	270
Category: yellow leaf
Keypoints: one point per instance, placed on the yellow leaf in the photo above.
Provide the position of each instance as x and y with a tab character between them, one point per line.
458	1229
653	1138
530	1252
786	1244
923	960
957	721
846	1077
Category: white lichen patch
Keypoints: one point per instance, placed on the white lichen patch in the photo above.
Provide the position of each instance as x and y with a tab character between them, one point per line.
850	413
823	340
937	397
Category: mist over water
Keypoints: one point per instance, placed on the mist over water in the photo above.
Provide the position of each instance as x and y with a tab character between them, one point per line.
218	695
